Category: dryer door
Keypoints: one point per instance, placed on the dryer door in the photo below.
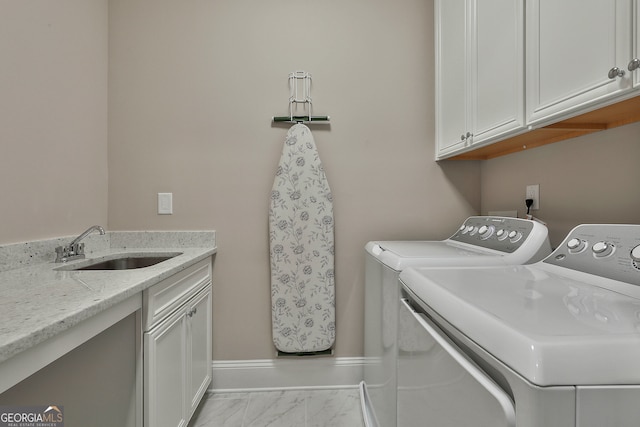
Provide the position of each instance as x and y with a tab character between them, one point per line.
439	386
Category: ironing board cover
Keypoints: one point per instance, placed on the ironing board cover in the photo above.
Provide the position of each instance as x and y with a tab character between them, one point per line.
301	249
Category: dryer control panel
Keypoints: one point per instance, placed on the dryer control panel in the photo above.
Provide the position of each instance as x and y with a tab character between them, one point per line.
498	233
605	250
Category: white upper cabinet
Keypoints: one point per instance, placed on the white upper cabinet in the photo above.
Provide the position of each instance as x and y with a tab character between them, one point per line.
479	72
634	63
577	56
452	78
498	69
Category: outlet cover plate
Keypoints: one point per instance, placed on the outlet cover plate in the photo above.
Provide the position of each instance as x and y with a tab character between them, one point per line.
533	192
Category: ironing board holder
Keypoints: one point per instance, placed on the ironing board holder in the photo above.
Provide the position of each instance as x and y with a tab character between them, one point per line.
300	99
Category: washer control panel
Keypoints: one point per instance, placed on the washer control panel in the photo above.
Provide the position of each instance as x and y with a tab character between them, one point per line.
606	250
499	233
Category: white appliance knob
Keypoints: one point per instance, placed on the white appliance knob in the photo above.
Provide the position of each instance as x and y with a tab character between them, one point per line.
602	249
472	230
462	227
486	231
635	253
576	245
501	234
515	236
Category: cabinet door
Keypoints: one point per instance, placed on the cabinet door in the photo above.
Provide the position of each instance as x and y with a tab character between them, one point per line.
636	46
199	349
479	72
571	47
452	82
164	373
497	69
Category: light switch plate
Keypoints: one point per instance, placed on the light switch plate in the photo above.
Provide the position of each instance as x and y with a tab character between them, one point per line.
165	203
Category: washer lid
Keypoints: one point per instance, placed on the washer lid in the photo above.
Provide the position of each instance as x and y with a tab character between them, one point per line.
551	328
402	254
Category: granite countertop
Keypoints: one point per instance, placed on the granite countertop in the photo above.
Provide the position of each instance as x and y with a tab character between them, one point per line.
41	299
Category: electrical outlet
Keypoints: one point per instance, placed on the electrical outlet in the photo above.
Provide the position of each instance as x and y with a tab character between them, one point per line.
533	192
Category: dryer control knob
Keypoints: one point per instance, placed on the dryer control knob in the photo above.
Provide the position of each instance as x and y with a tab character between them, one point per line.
635	254
602	249
576	245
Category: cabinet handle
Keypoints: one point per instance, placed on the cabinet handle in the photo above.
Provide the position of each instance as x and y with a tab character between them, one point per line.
634	64
467	136
192	312
615	72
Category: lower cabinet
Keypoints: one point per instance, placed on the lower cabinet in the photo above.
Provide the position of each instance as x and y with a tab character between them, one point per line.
165	361
198	349
177	355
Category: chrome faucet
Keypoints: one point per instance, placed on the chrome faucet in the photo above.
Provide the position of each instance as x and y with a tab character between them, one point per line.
75	249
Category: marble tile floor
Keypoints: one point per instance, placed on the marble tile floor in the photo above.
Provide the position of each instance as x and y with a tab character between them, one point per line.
280	408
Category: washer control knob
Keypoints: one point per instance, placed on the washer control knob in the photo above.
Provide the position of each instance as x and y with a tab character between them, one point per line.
635	254
472	230
602	249
515	236
462	227
501	234
576	245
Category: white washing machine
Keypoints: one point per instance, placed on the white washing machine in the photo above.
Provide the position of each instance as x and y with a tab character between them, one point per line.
555	343
479	241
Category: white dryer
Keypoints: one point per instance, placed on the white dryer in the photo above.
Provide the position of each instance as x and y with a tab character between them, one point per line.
479	241
555	343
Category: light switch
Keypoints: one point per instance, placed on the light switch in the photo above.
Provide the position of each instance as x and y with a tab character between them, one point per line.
165	203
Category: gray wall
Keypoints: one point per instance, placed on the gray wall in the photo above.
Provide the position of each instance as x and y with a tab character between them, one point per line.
53	118
591	179
193	86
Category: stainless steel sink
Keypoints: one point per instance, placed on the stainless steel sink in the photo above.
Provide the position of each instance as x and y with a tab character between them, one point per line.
122	262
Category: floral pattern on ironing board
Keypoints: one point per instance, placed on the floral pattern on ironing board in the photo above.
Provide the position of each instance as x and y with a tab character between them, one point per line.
301	246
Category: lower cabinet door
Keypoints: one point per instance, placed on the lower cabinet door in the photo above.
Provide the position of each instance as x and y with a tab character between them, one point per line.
199	348
164	373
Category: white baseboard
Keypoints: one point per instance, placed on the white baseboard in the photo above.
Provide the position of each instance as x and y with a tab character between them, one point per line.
287	373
